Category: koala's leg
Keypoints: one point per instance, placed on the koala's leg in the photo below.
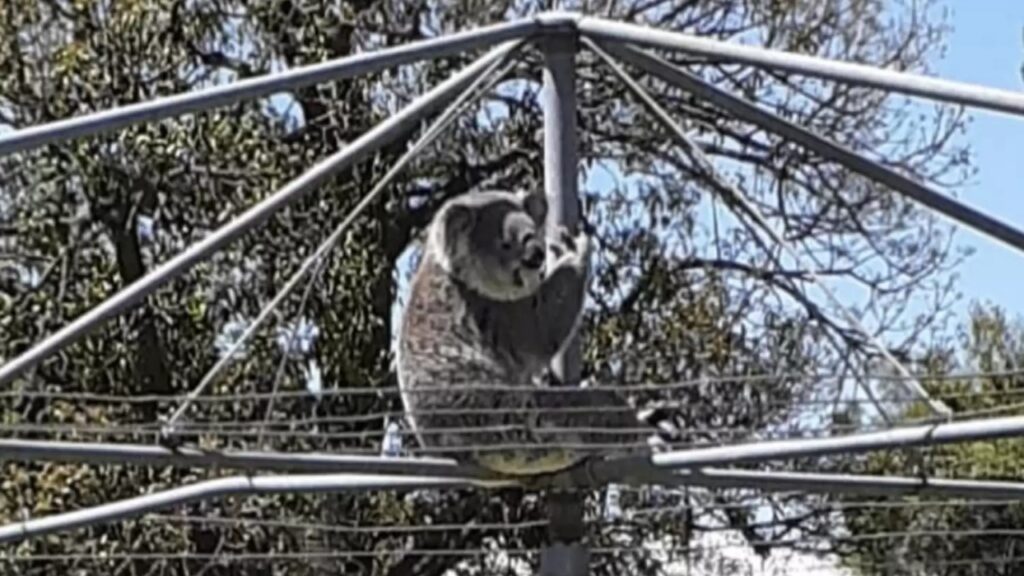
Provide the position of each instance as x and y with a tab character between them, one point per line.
667	425
616	412
620	421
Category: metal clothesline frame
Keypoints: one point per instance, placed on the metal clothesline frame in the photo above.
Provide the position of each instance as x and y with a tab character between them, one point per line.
357	481
558	33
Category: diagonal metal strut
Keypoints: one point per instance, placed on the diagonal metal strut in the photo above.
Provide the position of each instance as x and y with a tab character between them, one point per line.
953	209
14	449
855	74
221	487
735	197
376	138
764	451
327	483
223	95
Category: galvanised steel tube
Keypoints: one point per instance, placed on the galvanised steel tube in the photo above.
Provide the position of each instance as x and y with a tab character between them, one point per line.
566	553
12	449
957	211
847	72
853	484
926	435
219	488
738	198
347	67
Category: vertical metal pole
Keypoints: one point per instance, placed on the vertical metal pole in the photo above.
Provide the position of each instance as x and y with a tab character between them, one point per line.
561	162
566	553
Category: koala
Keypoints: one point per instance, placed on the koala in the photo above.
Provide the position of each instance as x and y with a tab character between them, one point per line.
485	317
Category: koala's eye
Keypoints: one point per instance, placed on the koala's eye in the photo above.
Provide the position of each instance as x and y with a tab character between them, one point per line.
506	245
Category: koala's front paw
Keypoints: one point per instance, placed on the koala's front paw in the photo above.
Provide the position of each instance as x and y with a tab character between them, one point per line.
566	242
561	243
581	244
569	251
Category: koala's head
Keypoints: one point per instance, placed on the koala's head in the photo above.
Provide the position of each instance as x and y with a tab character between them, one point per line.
493	242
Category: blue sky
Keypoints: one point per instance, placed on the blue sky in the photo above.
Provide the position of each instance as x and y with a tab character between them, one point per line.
987	47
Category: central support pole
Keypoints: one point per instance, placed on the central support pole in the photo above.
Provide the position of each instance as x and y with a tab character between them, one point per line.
566	553
561	160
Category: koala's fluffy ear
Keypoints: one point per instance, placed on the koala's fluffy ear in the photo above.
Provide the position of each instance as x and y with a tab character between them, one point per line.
535	204
458	221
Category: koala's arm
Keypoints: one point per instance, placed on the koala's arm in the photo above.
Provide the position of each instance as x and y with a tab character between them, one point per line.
555	311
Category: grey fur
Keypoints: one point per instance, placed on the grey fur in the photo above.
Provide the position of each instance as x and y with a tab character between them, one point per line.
479	315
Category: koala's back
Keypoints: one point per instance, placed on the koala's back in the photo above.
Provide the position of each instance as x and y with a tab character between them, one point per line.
451	339
441	339
467	391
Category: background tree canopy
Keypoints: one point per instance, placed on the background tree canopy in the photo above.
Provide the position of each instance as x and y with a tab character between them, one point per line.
684	296
978	374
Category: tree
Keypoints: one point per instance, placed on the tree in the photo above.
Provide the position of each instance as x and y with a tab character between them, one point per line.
979	375
682	291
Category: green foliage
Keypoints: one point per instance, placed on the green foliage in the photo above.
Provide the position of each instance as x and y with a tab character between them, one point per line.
941	536
674	298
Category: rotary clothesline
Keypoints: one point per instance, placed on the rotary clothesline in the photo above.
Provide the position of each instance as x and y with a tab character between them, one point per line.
675	467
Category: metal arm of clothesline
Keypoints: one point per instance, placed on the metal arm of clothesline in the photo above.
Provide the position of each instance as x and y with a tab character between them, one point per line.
379	136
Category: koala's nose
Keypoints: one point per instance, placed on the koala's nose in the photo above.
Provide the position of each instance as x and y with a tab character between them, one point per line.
533	255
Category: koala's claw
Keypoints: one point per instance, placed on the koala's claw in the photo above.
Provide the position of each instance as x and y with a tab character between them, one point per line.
567	238
562	243
569	242
568	249
581	243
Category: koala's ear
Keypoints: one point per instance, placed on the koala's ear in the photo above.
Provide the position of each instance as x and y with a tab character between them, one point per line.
535	204
458	221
